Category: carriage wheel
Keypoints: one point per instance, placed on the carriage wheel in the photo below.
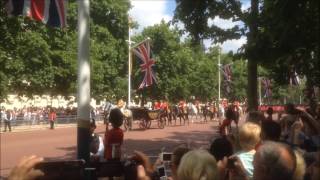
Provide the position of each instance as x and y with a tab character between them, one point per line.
142	124
161	123
126	124
147	123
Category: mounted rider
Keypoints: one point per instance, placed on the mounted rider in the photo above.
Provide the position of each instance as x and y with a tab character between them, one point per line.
156	105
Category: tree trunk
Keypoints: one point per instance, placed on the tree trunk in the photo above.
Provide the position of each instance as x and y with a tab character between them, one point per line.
252	61
252	86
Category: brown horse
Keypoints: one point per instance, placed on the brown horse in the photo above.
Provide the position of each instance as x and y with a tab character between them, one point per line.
175	112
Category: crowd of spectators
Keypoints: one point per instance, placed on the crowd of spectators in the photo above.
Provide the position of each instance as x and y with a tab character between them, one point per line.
262	148
39	115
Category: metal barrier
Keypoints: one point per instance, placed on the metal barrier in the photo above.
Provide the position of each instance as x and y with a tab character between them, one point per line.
34	122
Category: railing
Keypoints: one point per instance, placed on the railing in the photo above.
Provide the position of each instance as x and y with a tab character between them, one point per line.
35	122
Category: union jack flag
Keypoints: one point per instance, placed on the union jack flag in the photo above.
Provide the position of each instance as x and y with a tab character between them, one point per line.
267	87
227	73
144	54
50	12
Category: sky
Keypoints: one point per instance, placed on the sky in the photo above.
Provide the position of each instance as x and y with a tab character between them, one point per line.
150	12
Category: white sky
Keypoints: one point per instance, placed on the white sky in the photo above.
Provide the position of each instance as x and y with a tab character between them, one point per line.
150	12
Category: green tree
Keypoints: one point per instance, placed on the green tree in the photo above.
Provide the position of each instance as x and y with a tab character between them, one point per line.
195	15
289	41
36	59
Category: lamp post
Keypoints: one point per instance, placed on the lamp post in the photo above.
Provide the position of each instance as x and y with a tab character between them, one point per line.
83	113
129	63
219	77
260	98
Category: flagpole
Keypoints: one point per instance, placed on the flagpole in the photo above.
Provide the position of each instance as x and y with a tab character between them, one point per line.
83	96
260	99
219	79
129	65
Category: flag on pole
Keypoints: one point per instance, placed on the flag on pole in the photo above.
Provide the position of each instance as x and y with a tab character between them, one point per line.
267	87
143	52
227	75
50	12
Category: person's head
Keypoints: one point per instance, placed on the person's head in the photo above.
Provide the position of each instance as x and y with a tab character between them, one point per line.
220	148
249	135
116	117
270	111
176	158
274	161
197	164
290	109
270	130
255	117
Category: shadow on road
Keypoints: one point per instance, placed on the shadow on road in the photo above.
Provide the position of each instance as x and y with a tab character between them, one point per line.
194	139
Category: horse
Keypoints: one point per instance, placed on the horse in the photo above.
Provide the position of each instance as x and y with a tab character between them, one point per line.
127	114
208	111
172	114
175	112
106	111
193	111
183	114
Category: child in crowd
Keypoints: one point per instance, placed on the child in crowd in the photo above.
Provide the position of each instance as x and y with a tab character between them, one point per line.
176	159
197	165
249	137
114	137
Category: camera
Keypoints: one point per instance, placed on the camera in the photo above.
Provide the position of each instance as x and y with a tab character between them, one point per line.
162	172
166	156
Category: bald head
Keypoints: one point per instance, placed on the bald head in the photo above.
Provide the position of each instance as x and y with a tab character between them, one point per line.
274	161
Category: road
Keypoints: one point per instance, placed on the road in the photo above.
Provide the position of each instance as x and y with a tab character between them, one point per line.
61	142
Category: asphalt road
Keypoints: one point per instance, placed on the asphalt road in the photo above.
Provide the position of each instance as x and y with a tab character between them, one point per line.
60	143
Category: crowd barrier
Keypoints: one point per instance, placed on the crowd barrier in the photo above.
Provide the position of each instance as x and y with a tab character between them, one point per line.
26	123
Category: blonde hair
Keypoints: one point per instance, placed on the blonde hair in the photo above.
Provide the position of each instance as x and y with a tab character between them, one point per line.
197	165
249	135
300	166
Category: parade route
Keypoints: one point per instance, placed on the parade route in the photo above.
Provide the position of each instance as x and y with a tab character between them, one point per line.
60	143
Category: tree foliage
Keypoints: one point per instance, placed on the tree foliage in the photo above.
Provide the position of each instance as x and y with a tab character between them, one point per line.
282	35
36	59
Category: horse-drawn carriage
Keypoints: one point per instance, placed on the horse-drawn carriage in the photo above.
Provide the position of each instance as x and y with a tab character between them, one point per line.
144	116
